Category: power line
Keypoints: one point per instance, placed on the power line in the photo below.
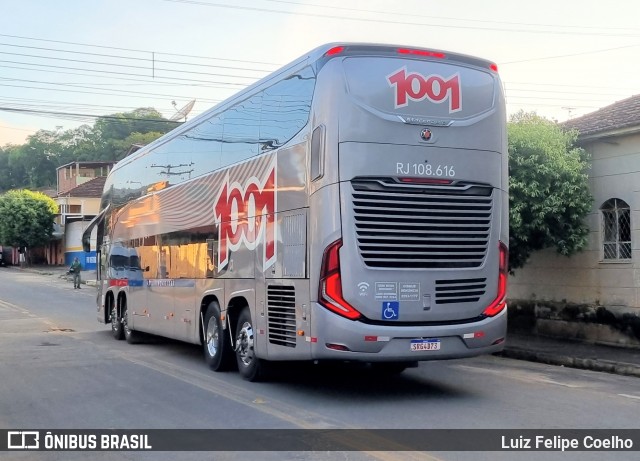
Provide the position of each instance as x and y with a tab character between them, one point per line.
129	92
22	37
414	15
151	59
143	82
85	116
569	55
386	21
152	69
182	79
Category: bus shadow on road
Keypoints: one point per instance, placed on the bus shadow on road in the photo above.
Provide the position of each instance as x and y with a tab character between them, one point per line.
347	380
362	382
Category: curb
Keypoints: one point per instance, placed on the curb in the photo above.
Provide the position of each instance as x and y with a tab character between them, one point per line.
619	368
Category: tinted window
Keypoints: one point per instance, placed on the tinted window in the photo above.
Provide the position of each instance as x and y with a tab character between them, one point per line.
285	109
260	123
241	130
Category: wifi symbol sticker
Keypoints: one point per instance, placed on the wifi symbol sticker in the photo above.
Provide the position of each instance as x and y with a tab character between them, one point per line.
363	287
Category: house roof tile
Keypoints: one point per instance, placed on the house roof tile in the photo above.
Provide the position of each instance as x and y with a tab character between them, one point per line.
621	114
89	189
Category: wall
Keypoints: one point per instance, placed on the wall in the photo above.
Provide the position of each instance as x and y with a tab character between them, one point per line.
88	206
73	175
585	284
586	277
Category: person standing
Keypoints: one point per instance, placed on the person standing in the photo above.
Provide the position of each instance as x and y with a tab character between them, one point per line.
75	269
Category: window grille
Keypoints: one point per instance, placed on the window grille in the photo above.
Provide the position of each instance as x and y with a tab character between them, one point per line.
616	230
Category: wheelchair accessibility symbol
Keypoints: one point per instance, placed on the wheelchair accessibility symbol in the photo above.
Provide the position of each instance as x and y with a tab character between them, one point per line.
390	310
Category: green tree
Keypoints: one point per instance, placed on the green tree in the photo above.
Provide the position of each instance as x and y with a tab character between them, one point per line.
113	132
7	176
549	191
33	164
26	218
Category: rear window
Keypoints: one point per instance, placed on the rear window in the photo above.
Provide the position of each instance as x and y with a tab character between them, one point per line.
420	88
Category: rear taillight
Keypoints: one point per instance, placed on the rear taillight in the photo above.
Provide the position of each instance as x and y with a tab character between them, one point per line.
501	299
330	295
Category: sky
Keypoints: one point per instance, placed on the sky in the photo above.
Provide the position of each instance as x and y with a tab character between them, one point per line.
62	63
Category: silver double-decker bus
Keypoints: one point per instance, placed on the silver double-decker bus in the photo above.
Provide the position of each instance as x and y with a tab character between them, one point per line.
349	206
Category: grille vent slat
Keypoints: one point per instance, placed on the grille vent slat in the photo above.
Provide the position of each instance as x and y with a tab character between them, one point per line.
421	227
460	291
281	315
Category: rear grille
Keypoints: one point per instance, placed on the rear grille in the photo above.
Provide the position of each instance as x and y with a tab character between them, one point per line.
460	291
421	227
281	315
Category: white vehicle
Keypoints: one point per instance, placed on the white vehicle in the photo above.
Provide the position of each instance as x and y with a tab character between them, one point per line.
349	206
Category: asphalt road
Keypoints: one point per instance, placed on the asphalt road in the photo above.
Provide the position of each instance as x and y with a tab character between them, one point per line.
61	369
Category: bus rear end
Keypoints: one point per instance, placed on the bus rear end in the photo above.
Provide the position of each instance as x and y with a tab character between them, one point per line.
409	206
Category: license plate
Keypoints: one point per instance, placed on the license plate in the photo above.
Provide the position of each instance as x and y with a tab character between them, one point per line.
425	345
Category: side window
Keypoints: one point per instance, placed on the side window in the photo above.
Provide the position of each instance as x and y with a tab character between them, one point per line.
616	230
241	130
204	145
285	109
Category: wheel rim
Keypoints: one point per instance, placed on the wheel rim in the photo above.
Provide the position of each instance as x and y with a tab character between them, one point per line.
244	342
114	318
213	335
125	324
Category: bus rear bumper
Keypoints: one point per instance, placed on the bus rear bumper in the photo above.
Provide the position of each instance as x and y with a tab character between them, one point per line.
337	338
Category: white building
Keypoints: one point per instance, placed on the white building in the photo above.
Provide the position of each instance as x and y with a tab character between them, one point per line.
594	295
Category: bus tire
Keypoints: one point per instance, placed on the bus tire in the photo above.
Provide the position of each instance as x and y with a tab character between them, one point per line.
250	367
216	343
131	336
116	324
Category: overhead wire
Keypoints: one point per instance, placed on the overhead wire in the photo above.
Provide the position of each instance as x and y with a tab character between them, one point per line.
154	57
414	14
405	23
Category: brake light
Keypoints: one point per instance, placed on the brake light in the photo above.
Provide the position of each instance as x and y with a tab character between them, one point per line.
427	53
500	302
494	67
335	50
330	295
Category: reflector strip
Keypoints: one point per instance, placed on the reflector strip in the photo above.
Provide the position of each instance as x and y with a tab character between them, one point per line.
377	339
474	335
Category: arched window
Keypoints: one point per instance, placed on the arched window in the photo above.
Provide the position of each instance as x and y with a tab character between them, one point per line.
616	230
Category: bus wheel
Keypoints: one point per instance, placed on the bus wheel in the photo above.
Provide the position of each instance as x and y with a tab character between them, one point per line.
216	343
116	324
130	335
250	367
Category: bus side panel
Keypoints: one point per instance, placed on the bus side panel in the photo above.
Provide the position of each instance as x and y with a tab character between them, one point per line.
286	320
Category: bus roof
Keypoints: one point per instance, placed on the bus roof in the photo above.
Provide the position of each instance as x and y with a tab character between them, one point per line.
320	55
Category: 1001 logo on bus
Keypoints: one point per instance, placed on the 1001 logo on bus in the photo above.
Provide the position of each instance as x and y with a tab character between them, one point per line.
245	215
417	87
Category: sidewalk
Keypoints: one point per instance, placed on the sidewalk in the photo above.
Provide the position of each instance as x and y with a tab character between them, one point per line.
519	346
574	354
61	272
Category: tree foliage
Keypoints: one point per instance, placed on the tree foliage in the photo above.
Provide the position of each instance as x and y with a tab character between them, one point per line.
33	164
549	192
26	218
